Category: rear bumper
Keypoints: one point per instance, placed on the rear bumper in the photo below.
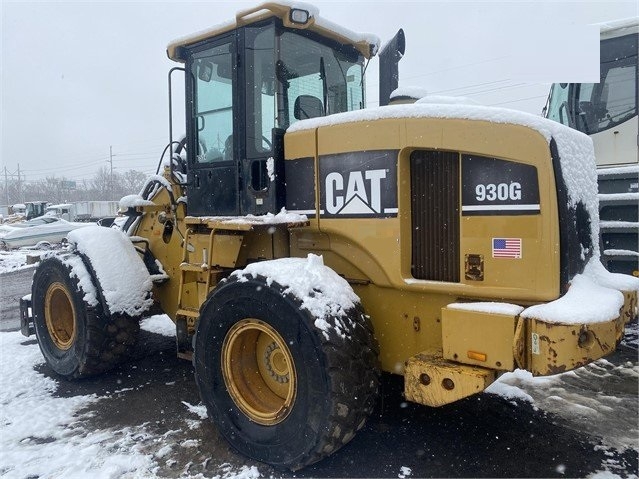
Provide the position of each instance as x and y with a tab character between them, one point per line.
478	345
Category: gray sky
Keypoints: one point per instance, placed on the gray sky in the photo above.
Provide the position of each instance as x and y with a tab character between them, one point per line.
78	77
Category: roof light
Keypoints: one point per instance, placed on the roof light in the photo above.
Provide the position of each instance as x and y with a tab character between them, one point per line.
299	16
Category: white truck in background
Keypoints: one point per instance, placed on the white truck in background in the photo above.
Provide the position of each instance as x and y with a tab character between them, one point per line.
607	112
84	210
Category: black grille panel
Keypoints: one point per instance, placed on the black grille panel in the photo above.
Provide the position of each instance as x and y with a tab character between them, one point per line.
435	215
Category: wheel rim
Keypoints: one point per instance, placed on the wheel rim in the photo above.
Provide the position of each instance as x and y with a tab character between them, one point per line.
59	315
259	371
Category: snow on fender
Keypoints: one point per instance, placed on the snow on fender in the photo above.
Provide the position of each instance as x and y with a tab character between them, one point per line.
320	290
124	281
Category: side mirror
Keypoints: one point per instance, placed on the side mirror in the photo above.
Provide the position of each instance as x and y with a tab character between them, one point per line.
308	106
205	70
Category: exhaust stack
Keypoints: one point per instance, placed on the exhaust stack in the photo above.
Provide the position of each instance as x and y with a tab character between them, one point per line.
389	57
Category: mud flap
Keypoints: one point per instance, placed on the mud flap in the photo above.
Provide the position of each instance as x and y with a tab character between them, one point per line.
26	319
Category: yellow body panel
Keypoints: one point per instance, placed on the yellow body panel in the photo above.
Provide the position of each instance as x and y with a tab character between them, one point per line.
481	339
416	331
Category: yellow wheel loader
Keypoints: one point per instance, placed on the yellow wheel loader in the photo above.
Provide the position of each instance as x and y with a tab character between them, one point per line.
303	244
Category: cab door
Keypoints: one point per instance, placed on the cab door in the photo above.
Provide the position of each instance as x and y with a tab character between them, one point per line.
212	106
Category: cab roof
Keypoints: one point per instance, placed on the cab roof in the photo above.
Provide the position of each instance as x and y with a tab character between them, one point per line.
367	44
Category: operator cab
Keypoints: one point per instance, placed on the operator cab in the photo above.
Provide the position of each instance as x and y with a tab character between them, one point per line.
245	85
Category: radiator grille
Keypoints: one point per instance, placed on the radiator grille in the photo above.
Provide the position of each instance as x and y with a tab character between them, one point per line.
435	215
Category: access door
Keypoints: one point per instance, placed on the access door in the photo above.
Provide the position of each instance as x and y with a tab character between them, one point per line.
211	126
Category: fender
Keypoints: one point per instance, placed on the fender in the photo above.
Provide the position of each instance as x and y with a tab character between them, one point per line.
123	283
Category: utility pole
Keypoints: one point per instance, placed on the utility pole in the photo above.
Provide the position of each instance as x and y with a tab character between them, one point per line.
20	198
6	184
111	177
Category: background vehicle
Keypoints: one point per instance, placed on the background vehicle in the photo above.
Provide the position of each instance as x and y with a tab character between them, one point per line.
298	258
607	112
45	229
84	210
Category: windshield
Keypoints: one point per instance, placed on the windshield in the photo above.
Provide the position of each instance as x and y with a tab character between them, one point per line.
613	100
316	79
595	107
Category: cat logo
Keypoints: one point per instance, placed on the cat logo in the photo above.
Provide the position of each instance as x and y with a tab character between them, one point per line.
358	194
359	184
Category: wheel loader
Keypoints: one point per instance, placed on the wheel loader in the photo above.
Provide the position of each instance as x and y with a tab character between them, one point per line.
303	244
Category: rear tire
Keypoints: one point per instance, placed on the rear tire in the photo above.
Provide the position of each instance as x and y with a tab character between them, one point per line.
280	389
76	338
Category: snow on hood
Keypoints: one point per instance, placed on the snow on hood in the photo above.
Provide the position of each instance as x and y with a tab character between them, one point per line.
124	280
576	152
325	294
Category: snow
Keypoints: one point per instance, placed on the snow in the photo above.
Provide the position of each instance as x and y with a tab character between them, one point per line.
13	260
322	292
410	92
579	398
622	282
270	168
577	305
618	170
443	100
43	435
620	252
619	196
159	324
619	224
79	270
488	307
404	472
125	283
421	96
132	201
283	217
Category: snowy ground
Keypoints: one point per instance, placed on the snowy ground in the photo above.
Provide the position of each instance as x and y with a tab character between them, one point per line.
44	434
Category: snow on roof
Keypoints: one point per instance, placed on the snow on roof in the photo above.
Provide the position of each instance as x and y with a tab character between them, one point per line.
617	28
322	292
124	280
349	36
576	151
61	205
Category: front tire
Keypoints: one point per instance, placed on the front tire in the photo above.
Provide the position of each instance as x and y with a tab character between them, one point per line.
280	389
75	337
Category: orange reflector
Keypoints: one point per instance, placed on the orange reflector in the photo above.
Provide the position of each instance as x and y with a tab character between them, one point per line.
477	356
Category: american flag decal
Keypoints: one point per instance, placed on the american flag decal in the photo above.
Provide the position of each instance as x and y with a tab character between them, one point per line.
507	248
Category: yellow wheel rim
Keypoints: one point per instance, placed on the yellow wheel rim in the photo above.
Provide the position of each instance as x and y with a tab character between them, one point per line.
59	315
259	371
